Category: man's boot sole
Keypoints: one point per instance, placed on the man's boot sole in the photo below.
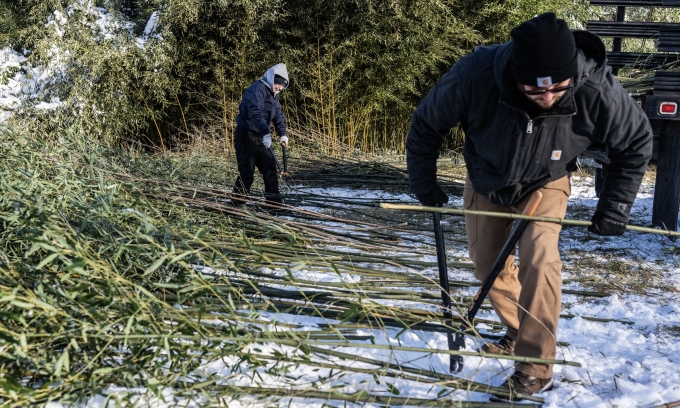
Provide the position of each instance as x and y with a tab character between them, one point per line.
503	352
497	398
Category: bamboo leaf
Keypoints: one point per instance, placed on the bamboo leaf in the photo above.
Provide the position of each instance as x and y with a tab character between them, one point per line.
180	256
47	260
10	385
392	388
22	304
103	370
7	338
154	266
43	305
62	364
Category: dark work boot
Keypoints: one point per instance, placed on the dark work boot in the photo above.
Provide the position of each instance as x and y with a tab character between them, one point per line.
506	346
520	383
236	202
279	212
275	205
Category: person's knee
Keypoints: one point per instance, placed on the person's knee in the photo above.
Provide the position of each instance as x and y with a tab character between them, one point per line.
246	179
484	262
481	272
270	178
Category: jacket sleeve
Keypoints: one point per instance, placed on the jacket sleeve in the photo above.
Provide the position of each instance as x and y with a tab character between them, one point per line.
628	137
440	111
257	122
279	120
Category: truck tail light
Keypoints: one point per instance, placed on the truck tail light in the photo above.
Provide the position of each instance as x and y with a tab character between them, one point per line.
668	108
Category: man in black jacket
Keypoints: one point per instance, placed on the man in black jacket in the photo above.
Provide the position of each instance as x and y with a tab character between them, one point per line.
260	108
528	108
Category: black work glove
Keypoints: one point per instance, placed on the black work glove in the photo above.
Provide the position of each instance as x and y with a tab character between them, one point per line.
433	197
606	226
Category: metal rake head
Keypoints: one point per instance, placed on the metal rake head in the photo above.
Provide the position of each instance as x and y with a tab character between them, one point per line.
456	364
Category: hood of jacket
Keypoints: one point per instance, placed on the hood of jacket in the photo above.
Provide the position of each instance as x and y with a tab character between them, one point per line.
278	69
592	56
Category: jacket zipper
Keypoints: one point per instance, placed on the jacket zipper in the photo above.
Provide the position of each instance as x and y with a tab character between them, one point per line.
529	130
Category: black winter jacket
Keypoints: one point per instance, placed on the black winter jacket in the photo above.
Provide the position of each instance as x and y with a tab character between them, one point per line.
508	154
259	108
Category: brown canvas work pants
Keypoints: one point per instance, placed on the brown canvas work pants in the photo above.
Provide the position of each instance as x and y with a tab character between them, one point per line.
527	298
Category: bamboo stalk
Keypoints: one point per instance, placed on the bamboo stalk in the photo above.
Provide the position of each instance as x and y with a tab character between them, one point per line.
444	379
297	343
363	397
400	372
668	405
561	221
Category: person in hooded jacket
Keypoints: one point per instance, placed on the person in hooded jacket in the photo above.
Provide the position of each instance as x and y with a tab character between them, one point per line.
528	108
259	109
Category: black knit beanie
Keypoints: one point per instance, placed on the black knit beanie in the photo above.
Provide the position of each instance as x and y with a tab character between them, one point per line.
544	51
278	79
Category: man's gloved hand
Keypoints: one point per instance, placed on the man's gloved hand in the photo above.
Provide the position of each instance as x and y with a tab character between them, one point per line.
606	226
433	197
267	140
284	140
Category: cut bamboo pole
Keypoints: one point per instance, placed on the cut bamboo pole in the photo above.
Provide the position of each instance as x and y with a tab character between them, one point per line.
561	221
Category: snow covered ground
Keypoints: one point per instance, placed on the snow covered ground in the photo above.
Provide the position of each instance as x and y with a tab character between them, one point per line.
631	363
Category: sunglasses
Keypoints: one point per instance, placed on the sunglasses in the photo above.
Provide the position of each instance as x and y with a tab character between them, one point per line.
544	91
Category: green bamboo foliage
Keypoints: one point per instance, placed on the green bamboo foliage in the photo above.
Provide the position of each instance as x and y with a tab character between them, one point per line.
219	49
494	19
358	67
110	85
8	23
361	67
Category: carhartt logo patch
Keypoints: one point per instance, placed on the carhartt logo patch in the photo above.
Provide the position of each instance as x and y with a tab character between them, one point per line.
544	81
623	207
556	154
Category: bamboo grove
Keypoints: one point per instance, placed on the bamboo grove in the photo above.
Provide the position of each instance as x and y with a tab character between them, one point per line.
358	67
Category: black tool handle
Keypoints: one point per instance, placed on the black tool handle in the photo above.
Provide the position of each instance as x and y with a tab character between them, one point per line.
285	159
441	263
444	283
278	166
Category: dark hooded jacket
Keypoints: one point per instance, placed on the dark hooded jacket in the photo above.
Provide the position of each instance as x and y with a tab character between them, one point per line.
260	107
509	153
